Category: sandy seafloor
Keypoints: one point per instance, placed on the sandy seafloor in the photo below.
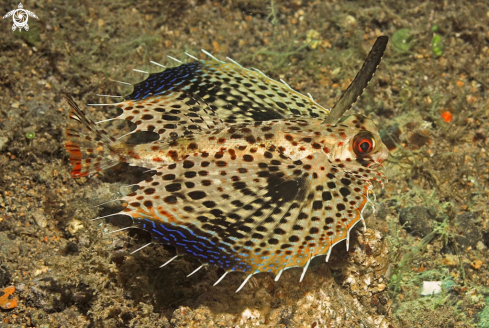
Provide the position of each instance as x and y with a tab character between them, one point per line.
431	221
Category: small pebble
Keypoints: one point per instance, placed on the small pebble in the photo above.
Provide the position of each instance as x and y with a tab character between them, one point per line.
7	300
20	287
431	288
74	226
40	219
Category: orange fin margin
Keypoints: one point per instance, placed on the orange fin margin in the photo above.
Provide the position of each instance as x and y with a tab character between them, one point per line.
89	146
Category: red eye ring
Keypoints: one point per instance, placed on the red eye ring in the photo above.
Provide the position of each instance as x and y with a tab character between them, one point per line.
363	144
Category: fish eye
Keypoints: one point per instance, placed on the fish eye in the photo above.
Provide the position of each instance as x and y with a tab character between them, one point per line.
363	144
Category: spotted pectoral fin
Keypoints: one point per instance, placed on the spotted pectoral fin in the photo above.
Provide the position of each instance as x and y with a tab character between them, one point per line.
170	113
250	215
203	94
208	207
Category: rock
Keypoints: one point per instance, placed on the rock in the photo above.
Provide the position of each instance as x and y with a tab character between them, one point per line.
468	230
348	291
418	220
4	276
3	142
431	288
40	219
74	226
476	264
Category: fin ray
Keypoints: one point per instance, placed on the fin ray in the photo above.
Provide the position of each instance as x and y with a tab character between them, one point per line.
255	216
201	95
90	150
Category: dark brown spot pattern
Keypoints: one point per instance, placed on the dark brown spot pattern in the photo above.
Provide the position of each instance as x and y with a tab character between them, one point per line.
245	178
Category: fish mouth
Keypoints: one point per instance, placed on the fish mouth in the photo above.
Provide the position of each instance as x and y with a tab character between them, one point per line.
375	166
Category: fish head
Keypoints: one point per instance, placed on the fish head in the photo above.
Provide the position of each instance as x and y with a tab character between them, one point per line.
360	143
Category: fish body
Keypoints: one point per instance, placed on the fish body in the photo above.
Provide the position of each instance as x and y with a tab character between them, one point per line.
294	139
250	175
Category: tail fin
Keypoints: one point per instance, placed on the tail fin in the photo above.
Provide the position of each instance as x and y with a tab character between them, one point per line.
91	151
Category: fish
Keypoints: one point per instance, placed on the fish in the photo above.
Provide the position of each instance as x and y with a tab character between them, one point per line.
249	174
